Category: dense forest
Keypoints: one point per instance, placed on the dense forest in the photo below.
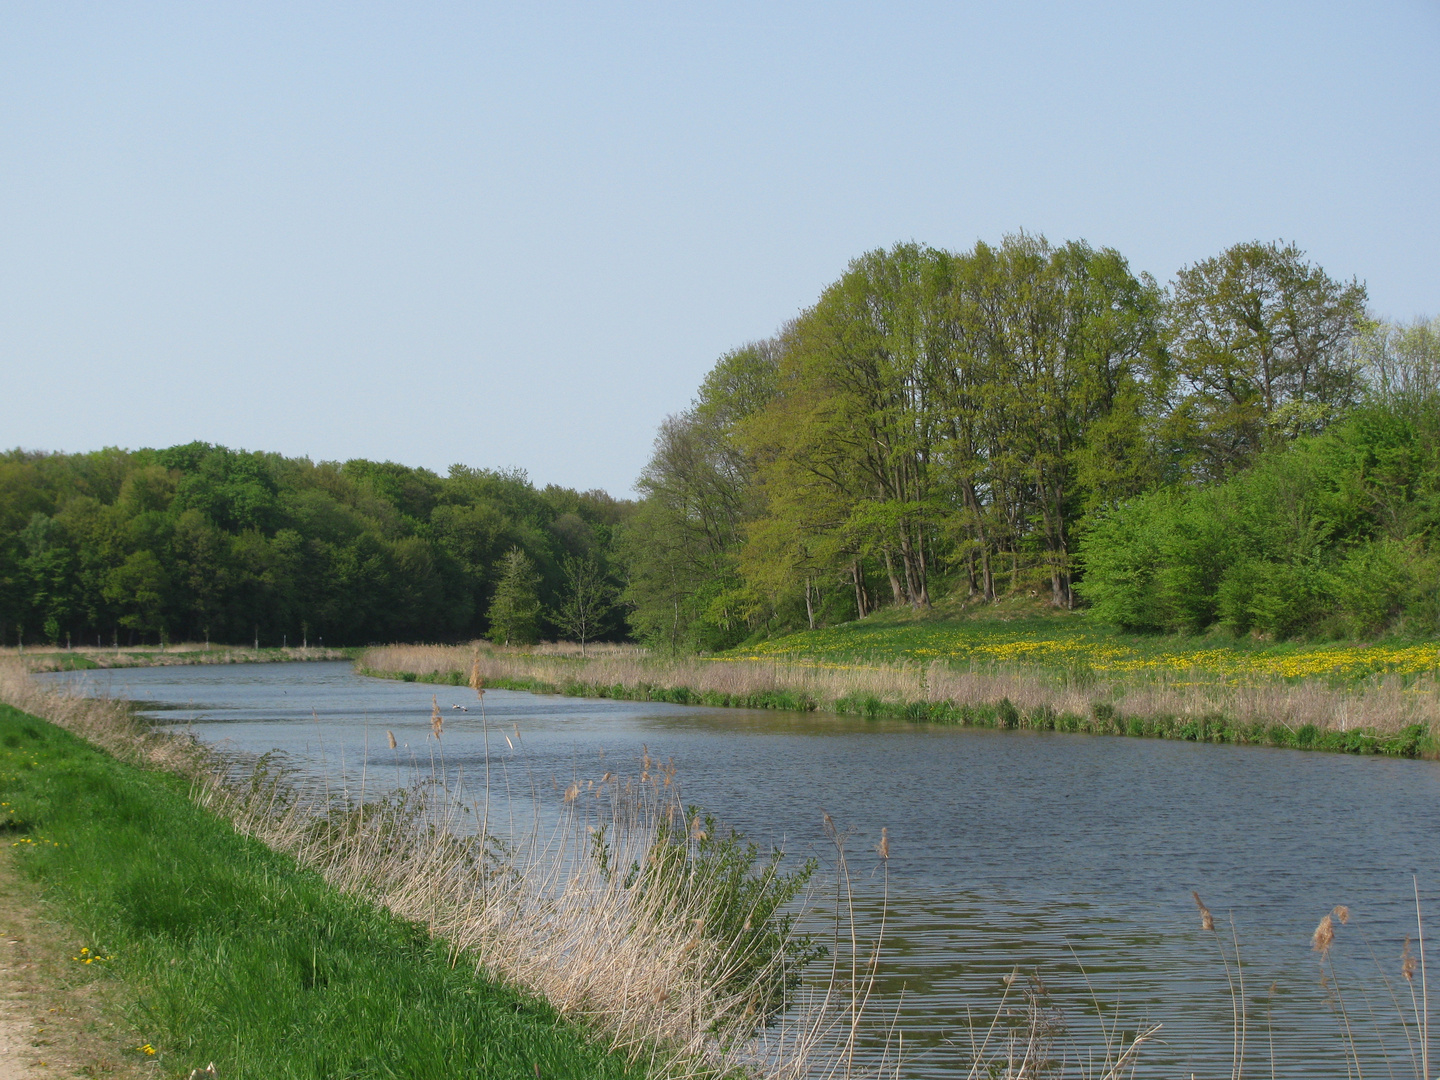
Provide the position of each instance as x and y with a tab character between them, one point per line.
1244	449
201	542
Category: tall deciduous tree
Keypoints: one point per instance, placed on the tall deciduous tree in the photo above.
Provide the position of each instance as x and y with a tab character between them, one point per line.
1259	336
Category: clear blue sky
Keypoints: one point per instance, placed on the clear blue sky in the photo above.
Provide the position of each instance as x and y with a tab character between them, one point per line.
519	235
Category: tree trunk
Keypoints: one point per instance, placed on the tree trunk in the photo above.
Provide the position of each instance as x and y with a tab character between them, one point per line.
894	581
913	586
924	567
809	607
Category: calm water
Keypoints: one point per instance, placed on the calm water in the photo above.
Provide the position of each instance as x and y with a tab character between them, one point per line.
1008	849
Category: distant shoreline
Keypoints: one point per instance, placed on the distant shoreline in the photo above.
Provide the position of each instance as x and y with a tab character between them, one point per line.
1003	697
89	657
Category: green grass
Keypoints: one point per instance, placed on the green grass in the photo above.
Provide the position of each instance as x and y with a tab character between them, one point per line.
235	955
1018	636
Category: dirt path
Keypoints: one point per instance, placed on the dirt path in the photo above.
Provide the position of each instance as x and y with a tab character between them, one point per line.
51	1025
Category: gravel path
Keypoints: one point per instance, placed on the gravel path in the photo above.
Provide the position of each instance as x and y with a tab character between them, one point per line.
48	1029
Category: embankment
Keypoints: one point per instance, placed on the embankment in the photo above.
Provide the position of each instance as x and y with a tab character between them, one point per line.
397	930
231	952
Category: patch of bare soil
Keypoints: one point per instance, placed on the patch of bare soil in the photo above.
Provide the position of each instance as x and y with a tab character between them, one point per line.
54	1021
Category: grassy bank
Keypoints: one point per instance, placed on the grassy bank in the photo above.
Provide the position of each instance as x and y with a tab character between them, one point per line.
89	658
235	954
1380	712
1064	642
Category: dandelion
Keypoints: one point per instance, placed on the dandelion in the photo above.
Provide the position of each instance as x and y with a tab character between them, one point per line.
147	1050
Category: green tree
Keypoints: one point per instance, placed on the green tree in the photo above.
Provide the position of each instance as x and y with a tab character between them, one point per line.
1400	362
586	599
1259	335
515	611
49	566
138	588
681	546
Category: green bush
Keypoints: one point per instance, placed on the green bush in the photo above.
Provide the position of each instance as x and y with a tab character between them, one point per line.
1334	533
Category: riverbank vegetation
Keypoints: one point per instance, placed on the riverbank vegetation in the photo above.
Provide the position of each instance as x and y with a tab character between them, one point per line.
237	955
406	932
1391	713
78	658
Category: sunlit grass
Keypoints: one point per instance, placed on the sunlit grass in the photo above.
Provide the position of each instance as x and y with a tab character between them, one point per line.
1076	643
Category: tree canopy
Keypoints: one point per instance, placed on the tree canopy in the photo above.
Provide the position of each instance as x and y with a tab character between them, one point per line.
1038	418
201	541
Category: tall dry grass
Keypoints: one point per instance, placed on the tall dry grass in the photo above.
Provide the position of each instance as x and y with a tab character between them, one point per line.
103	722
1383	704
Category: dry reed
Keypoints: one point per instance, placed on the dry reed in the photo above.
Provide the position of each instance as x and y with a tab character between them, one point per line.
42	658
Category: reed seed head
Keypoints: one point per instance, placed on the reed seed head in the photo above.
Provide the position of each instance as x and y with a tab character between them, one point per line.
391	736
1342	913
883	848
1324	936
1407	961
1207	921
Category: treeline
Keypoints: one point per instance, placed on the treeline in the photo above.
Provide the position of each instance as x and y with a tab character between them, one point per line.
1243	447
201	542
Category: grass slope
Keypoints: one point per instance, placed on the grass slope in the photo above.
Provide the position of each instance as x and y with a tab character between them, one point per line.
1012	633
236	955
